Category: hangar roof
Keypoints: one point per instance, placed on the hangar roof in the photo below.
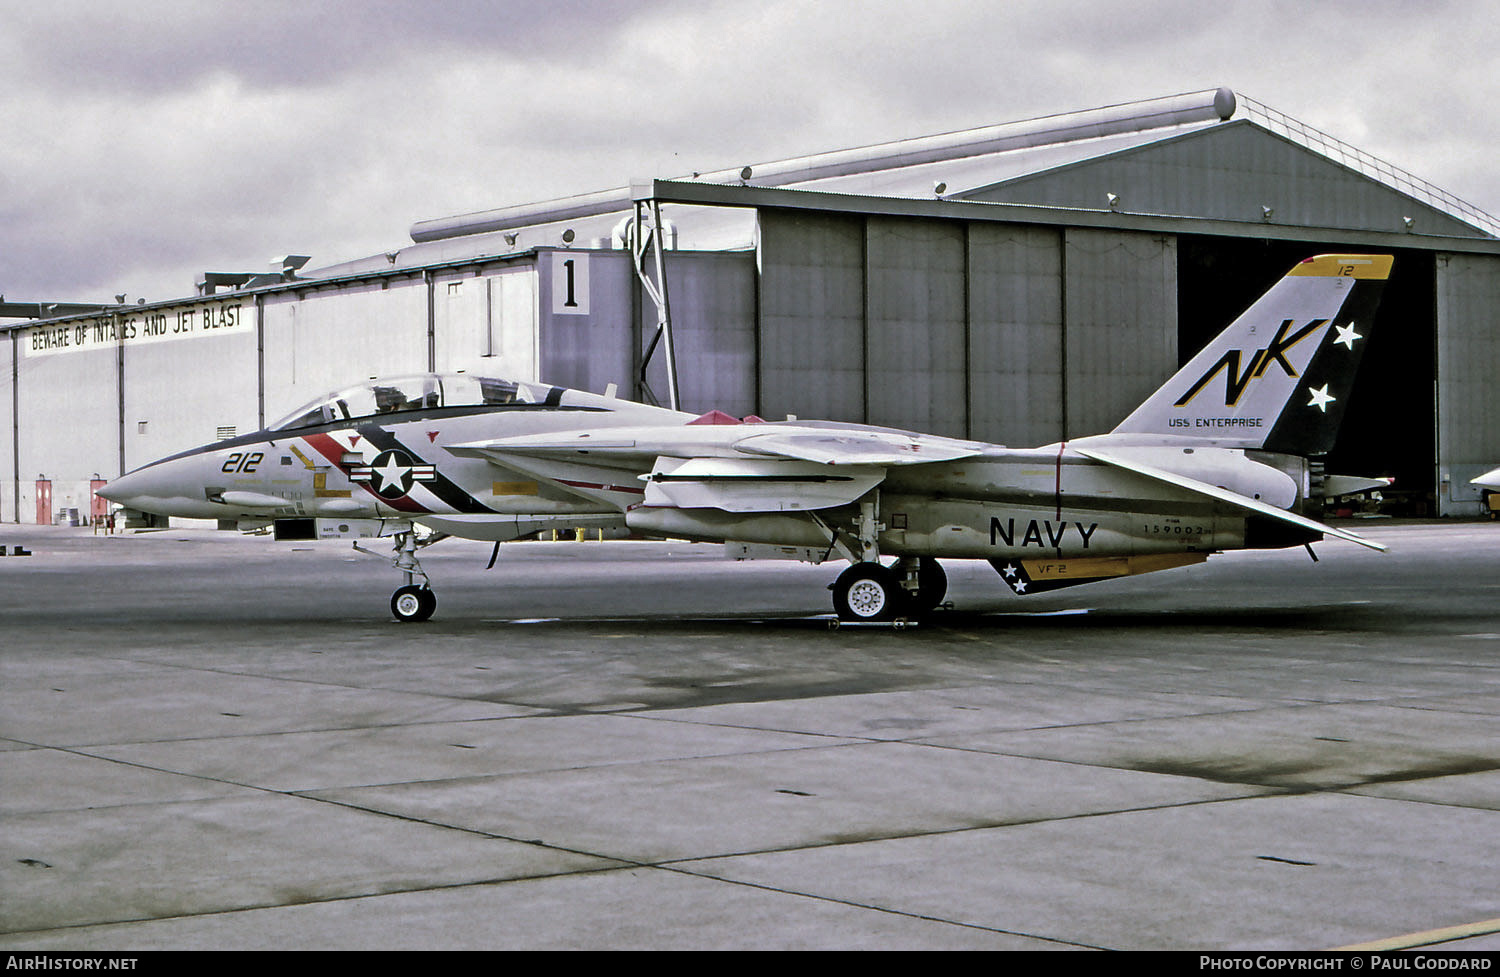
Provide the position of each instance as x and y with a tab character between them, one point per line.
1201	155
1229	167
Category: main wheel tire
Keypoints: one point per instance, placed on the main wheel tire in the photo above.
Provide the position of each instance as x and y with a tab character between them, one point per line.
932	584
411	604
868	592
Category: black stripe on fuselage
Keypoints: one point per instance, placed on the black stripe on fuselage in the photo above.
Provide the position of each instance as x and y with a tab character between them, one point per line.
395	417
440	486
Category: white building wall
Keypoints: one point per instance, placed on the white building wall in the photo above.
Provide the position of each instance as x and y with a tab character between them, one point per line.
335	337
487	324
68	424
179	393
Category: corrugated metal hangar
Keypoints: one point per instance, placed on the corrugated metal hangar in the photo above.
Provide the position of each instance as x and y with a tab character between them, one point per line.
1022	283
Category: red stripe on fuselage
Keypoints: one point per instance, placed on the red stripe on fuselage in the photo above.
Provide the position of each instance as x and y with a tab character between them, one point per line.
326	446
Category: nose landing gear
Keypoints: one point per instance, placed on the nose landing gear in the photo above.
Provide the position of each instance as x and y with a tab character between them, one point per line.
413	602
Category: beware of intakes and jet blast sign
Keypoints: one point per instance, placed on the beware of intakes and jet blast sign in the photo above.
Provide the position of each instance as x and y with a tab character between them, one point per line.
137	328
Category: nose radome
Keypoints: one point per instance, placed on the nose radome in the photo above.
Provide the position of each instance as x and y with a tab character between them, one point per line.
115	490
143	483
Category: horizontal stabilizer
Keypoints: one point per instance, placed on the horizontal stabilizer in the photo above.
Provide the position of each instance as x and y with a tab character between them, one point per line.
1224	495
1335	486
1489	480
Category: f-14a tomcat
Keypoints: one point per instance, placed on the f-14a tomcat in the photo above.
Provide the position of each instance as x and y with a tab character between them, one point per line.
1216	459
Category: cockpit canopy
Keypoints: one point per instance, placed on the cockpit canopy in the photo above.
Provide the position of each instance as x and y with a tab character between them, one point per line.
424	391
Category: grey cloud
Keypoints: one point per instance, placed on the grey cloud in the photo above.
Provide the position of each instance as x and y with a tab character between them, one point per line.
204	136
149	48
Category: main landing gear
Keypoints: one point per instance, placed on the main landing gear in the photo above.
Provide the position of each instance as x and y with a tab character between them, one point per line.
870	592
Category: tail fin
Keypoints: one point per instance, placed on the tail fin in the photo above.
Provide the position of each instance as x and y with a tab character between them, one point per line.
1279	377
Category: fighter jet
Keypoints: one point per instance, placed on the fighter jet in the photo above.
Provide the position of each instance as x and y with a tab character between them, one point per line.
1216	459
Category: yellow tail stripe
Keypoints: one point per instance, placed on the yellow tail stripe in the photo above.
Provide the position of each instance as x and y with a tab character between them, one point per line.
1371	266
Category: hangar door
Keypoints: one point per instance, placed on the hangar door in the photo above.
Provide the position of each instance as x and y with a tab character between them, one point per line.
947	327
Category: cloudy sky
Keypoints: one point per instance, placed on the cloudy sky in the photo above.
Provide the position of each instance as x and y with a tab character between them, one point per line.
144	143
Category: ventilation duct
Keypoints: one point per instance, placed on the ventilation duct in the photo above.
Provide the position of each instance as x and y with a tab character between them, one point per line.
1157	113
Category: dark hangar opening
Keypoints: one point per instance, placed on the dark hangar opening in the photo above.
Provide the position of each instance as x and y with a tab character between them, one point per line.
1390	428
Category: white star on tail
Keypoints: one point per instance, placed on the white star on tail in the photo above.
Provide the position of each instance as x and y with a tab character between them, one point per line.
1321	398
1347	336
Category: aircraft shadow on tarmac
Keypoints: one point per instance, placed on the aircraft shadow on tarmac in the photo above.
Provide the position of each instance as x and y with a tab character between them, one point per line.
1328	617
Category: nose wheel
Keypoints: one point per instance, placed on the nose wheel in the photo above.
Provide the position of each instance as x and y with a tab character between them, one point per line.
412	603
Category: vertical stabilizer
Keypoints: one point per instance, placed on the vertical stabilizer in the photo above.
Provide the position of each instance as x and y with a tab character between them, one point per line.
1279	377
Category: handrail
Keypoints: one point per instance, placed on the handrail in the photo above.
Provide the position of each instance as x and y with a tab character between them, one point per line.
1367	163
